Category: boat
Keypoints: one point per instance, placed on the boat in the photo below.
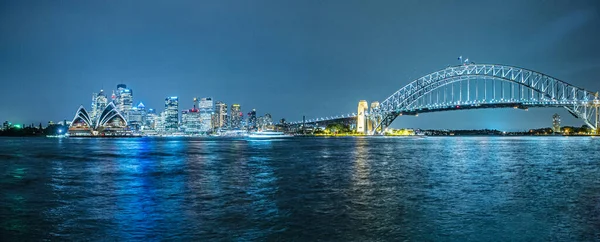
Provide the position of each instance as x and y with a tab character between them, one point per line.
268	135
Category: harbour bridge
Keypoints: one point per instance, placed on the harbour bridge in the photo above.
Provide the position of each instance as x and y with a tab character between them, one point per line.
471	86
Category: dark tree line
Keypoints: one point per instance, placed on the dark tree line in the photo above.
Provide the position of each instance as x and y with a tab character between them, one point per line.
33	130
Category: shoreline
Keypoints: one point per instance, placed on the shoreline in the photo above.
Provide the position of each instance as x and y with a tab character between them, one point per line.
305	136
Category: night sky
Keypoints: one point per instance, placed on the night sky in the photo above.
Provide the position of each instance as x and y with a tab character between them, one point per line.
287	58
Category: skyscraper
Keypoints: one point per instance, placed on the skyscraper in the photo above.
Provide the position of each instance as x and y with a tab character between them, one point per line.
159	123
556	123
220	115
171	114
206	111
137	116
191	121
99	103
252	124
151	119
235	117
124	99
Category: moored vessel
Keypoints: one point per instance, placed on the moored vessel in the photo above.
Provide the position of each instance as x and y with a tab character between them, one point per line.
268	135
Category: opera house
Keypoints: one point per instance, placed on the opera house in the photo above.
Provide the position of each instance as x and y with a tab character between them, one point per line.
109	122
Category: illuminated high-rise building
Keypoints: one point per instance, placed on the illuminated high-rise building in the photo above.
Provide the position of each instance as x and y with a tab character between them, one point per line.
151	118
363	107
137	116
556	123
206	109
99	103
124	99
235	117
191	121
252	121
171	114
220	115
159	122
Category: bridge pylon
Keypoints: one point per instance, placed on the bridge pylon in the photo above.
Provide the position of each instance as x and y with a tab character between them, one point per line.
597	107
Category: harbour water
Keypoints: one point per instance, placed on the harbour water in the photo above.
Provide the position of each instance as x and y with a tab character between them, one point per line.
344	189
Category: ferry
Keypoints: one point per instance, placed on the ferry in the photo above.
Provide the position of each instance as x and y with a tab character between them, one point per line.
268	135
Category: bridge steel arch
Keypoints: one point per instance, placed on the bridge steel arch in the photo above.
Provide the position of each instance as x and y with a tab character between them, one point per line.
535	90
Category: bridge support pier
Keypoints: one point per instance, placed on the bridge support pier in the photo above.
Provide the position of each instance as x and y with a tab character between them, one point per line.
597	123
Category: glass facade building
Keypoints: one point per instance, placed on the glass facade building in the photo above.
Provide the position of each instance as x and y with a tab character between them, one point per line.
235	117
124	99
252	121
99	103
206	110
221	117
171	115
137	116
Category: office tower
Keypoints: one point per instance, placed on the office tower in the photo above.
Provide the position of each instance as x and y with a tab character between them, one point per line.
171	114
191	121
556	123
206	111
252	124
235	117
124	99
137	116
220	115
99	103
151	119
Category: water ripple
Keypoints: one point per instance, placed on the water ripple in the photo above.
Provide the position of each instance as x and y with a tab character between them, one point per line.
345	189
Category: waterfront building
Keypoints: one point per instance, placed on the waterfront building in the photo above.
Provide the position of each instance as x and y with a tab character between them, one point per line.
206	109
244	124
252	122
235	117
159	123
556	123
150	121
123	99
221	116
214	122
206	103
191	121
110	122
361	116
137	116
99	103
171	115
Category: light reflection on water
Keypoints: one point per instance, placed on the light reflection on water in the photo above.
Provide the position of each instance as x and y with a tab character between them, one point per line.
461	188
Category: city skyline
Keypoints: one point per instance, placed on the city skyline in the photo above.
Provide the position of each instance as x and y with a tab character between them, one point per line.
117	116
268	60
